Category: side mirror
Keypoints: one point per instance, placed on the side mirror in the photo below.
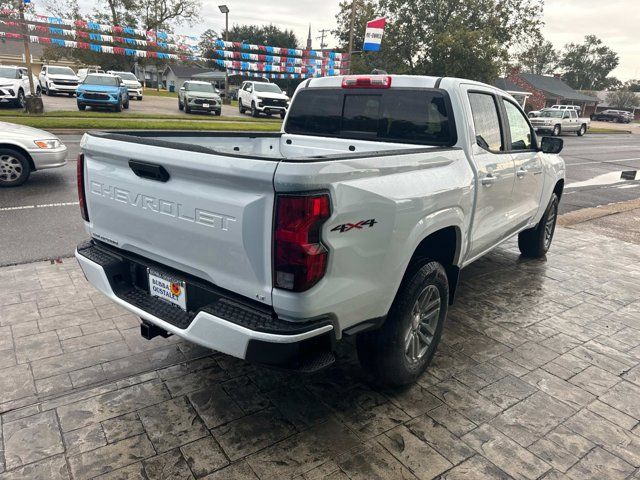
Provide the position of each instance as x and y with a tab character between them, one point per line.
551	145
182	89
25	77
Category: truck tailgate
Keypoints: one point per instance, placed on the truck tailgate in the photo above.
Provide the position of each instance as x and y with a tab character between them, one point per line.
210	217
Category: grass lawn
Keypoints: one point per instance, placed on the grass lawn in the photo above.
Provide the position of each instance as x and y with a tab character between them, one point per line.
11	115
152	92
88	123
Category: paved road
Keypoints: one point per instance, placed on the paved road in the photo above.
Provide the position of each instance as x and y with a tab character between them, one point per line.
46	223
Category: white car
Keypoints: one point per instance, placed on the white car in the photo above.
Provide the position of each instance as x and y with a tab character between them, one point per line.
577	108
262	97
56	79
14	85
83	72
355	220
134	87
24	150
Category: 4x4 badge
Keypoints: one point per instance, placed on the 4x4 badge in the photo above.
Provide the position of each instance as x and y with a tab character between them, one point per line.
345	227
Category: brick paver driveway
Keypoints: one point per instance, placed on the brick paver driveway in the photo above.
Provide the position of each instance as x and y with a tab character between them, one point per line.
538	376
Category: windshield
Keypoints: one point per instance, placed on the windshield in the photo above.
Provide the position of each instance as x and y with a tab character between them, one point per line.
61	71
267	87
200	87
551	114
9	73
101	80
126	76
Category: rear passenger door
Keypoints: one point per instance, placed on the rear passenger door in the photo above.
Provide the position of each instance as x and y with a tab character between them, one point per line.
493	220
521	142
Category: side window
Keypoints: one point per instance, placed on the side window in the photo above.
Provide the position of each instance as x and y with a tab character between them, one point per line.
247	87
574	114
521	133
486	121
566	114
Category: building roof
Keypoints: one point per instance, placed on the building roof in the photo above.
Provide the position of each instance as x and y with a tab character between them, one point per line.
508	86
556	87
184	71
209	75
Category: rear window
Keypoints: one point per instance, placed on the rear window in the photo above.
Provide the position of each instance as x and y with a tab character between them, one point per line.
403	116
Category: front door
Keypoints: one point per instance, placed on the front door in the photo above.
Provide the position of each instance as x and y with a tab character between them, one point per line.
527	162
492	221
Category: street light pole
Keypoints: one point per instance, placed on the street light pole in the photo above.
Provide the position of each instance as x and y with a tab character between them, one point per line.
224	9
353	20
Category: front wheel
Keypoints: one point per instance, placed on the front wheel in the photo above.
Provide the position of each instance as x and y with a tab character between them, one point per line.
556	131
180	105
14	168
21	101
283	114
82	107
240	107
254	110
118	107
400	351
535	242
126	105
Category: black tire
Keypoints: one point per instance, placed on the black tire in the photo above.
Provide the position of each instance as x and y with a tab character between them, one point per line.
240	107
82	107
217	113
535	242
14	168
582	130
118	107
557	131
71	94
38	91
20	99
126	105
385	352
140	98
187	109
282	115
254	110
180	106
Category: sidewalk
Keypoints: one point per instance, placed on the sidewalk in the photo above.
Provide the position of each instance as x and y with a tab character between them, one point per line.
538	376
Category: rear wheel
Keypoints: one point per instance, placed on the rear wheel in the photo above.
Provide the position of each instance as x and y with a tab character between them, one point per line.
14	168
582	130
400	351
535	242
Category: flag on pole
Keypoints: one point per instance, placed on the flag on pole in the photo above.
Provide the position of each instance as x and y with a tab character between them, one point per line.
373	34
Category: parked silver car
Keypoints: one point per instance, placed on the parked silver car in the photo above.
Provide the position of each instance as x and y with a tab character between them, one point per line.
26	149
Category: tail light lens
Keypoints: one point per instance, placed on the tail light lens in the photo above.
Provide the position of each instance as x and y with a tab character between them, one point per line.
82	199
380	81
300	259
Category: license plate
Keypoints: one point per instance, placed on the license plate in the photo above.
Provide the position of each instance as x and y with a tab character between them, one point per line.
205	105
167	288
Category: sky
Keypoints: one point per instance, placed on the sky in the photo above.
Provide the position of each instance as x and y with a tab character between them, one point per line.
616	22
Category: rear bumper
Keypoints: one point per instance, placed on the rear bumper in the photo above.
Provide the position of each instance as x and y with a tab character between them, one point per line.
219	322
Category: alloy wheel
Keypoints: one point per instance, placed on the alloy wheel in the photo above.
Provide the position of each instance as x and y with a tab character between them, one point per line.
424	321
10	169
550	225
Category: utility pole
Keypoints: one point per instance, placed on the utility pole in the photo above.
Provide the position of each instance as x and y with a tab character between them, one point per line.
353	21
30	105
224	9
323	34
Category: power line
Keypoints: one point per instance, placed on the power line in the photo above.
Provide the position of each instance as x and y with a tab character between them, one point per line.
323	34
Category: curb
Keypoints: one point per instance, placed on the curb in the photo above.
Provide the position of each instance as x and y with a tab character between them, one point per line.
586	214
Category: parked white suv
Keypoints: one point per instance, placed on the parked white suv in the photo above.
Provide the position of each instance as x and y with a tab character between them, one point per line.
134	87
355	220
262	97
83	72
577	108
14	85
55	79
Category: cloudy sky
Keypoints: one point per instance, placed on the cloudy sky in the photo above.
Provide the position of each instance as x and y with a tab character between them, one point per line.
617	22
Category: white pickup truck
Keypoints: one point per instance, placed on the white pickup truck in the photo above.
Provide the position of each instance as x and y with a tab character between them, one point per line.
557	121
354	220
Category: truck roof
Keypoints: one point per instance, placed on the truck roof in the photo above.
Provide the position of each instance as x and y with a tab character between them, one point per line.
402	81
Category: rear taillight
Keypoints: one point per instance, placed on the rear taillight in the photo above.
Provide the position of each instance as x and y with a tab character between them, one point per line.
300	259
82	199
376	81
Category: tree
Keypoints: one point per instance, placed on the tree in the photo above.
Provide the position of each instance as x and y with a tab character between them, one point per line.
539	57
163	14
633	85
623	99
468	38
587	65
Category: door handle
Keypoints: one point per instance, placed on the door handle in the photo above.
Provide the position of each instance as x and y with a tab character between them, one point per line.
489	180
521	173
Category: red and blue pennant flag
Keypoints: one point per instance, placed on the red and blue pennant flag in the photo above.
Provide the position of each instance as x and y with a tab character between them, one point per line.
373	34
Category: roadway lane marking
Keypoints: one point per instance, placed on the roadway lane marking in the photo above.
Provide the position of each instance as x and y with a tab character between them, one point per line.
46	205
